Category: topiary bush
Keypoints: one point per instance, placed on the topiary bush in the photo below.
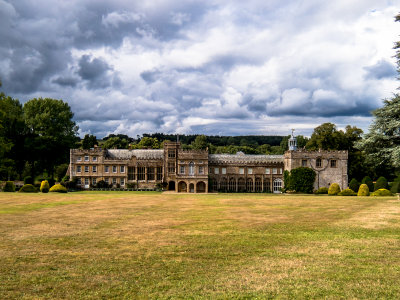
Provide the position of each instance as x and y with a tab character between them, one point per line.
44	186
354	185
9	187
347	192
301	180
381	183
381	192
58	188
368	181
363	190
322	190
334	189
28	180
28	188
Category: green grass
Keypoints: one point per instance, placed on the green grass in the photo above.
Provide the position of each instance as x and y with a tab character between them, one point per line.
153	245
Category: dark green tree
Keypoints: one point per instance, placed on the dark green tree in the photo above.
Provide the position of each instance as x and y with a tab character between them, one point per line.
301	180
354	185
116	143
368	181
89	141
147	143
381	183
200	142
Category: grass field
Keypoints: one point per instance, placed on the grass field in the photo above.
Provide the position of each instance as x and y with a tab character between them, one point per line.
152	245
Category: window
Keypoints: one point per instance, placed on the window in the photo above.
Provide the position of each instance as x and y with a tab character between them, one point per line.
78	169
94	181
94	169
201	170
280	170
216	170
122	169
150	173
114	169
106	180
319	163
274	171
191	168
250	171
79	181
94	158
333	163
171	153
241	170
86	169
86	181
223	171
79	158
159	173
131	173
267	171
122	181
182	170
114	180
86	158
106	169
171	168
141	173
304	163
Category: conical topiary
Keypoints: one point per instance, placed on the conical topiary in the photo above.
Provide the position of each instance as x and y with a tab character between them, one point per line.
381	183
363	190
354	185
368	181
44	186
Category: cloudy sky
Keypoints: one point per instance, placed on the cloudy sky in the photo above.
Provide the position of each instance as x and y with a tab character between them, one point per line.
214	67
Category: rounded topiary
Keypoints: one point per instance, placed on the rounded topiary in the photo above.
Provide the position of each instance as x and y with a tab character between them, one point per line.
354	185
363	190
9	187
322	190
28	188
347	192
381	192
368	181
381	183
334	189
58	188
44	186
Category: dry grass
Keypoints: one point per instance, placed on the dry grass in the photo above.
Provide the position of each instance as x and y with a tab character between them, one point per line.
127	245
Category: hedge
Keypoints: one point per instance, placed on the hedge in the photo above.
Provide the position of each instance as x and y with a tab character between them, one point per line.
347	192
28	188
381	192
322	190
363	190
58	188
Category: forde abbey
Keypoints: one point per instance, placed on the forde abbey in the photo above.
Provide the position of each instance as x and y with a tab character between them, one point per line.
197	171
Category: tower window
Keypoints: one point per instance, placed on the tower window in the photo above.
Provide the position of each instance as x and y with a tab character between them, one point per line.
333	163
171	153
319	163
304	163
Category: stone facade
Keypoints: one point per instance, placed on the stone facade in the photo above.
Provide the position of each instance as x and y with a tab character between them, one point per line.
196	171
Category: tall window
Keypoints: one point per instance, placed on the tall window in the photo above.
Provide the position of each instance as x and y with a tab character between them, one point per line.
86	181
106	180
79	158
191	168
250	171
171	153
150	173
78	169
171	168
94	169
333	163
159	173
122	169
106	169
201	170
86	169
86	158
141	174
319	162
114	180
223	171
182	170
274	171
216	170
131	173
122	181
94	158
79	181
267	171
241	170
304	163
114	169
94	181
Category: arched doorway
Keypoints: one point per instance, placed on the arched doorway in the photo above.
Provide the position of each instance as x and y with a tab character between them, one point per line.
277	185
191	188
232	185
249	185
201	187
171	186
241	185
258	185
182	187
224	185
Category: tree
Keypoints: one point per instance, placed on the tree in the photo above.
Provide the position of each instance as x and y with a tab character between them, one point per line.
147	143
200	142
51	132
89	141
354	185
300	180
381	183
116	143
382	142
325	137
368	181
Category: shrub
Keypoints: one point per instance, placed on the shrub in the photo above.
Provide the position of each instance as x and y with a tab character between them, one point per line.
368	181
58	188
301	180
381	183
347	192
322	190
28	188
334	189
381	192
9	187
44	186
363	190
132	185
28	180
395	189
354	185
101	184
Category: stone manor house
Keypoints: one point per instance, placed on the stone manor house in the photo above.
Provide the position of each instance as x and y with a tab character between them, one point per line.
196	171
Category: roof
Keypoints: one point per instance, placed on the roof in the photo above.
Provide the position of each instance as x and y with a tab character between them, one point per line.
240	157
138	153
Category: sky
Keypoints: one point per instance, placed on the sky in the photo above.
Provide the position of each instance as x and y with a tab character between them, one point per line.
202	67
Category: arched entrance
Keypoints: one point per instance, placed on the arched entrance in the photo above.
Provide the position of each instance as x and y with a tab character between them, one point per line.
241	185
171	186
258	185
232	185
223	185
249	185
201	187
182	187
191	188
277	185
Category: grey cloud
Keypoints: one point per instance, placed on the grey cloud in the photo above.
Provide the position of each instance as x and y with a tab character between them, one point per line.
66	81
382	69
96	72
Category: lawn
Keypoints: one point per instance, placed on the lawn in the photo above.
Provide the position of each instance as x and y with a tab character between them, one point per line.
153	245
